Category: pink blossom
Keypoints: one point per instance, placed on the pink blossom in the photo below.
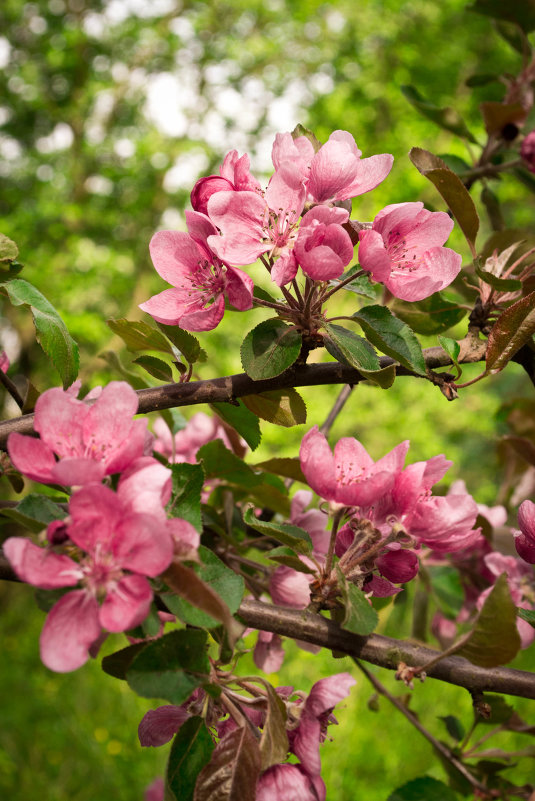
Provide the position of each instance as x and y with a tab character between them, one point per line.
183	447
313	521
91	441
289	587
336	171
115	539
234	175
398	566
287	781
350	476
199	279
403	251
444	523
251	225
268	654
323	248
4	361
525	538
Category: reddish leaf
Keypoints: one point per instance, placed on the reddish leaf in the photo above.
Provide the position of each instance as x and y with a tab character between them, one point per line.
232	773
510	332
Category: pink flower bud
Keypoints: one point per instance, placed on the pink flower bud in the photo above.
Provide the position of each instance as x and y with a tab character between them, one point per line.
205	188
398	566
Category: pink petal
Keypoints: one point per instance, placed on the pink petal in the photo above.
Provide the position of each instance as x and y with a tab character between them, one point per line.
286	190
317	463
239	289
288	587
69	631
204	319
328	692
286	148
127	605
168	306
285	269
373	256
268	653
40	566
174	254
142	543
200	227
185	537
398	566
131	448
371	172
526	519
306	741
381	587
241	217
32	457
158	726
77	472
59	419
204	188
280	782
96	512
146	487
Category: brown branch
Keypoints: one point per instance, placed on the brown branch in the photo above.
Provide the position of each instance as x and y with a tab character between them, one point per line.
385	651
228	388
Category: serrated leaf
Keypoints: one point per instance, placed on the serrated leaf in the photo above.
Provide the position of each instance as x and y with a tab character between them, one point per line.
528	615
282	407
430	316
447	117
185	583
359	615
227	585
138	335
513	328
286	556
118	663
51	331
191	750
242	420
232	773
451	347
270	349
170	667
155	367
354	350
494	640
391	336
283	466
424	788
188	345
35	512
8	249
454	726
219	462
451	188
188	480
287	533
521	12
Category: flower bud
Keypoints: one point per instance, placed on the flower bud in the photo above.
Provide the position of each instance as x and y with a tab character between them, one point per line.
205	188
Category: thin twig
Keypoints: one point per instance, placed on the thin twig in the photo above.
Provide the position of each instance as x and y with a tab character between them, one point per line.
336	409
12	389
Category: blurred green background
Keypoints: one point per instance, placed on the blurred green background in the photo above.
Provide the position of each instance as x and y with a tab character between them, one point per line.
109	111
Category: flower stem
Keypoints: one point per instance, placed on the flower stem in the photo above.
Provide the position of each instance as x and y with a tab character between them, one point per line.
330	553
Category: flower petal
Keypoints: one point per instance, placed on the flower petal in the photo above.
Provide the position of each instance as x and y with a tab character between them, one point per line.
39	566
69	631
127	605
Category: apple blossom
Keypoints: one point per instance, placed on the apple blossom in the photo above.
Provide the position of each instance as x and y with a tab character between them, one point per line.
91	441
323	248
200	280
234	175
403	251
525	538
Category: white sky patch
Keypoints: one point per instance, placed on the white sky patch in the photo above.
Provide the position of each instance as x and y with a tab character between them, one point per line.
118	10
60	138
185	171
167	100
124	148
98	185
5	52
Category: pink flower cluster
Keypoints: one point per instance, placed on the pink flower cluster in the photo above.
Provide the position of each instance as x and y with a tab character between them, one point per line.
298	221
116	540
307	721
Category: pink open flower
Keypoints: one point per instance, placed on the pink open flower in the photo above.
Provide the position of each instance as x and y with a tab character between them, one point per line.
200	279
403	251
336	171
91	441
122	548
234	176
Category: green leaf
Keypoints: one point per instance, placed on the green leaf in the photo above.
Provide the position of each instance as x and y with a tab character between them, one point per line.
9	269
283	466
50	329
424	788
521	12
242	420
219	462
188	480
188	345
227	584
260	293
528	615
187	584
138	335
451	188
170	667
494	640
454	726
430	316
348	348
300	130
282	407
270	349
360	286
391	336
453	349
359	615
502	284
447	118
293	536
455	163
117	664
190	751
513	328
286	556
155	367
447	587
35	512
8	249
274	740
233	770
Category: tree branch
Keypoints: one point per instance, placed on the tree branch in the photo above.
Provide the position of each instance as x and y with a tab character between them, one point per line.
228	388
385	651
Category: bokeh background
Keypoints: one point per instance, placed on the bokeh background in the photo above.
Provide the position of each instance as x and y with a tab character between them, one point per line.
109	111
